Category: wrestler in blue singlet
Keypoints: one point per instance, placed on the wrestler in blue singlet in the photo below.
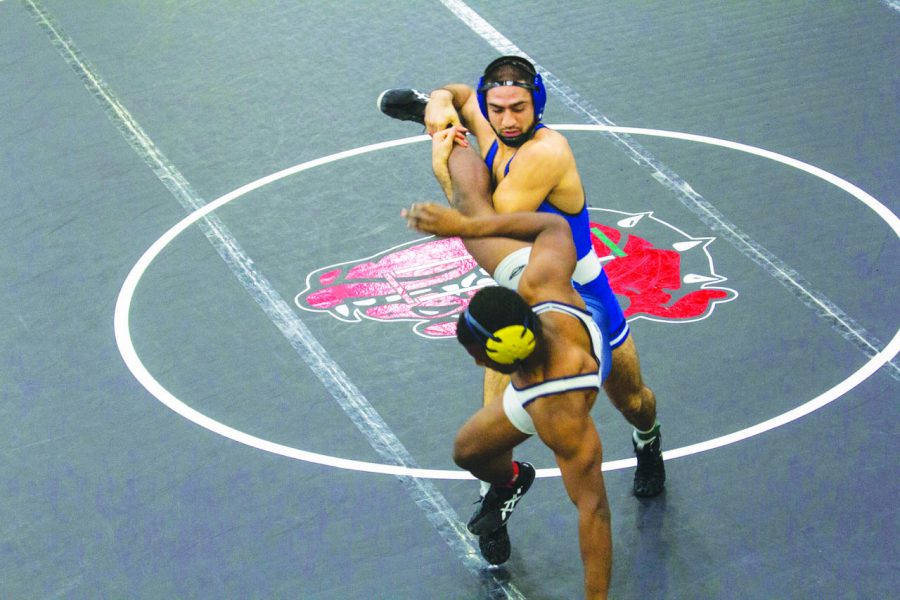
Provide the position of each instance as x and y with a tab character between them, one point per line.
589	278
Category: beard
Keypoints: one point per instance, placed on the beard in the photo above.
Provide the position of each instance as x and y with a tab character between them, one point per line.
516	140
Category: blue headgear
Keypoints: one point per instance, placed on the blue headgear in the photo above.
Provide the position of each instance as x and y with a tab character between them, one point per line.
536	85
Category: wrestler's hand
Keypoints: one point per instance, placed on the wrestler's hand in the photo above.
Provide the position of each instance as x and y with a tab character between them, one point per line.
436	219
440	114
441	146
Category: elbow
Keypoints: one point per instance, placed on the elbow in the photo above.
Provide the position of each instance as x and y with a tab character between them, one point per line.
594	506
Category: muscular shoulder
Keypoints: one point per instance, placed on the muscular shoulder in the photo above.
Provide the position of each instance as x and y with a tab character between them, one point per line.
548	149
542	168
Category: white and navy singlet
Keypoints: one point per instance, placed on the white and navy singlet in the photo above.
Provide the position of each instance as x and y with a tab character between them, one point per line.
516	399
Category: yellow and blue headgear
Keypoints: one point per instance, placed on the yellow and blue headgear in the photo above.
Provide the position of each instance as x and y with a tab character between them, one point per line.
510	343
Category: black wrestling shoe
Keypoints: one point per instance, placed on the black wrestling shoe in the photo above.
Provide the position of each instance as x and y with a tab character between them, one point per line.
495	547
404	104
495	508
650	476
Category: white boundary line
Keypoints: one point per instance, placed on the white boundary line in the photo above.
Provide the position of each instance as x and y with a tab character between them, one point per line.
357	408
129	354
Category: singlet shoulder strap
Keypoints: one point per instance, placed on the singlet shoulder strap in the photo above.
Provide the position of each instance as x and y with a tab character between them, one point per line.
491	155
593	331
560	307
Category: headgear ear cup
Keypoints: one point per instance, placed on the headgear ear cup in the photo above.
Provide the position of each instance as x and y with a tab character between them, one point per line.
510	344
481	94
539	97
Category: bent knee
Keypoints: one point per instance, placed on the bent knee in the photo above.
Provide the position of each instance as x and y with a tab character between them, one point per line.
465	453
628	399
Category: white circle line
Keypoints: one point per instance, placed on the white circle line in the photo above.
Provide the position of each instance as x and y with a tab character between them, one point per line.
125	344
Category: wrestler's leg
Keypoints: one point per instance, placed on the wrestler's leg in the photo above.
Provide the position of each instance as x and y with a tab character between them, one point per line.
623	383
494	385
482	447
485	442
626	389
636	401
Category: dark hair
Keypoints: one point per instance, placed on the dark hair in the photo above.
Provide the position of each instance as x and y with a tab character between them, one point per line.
510	68
494	308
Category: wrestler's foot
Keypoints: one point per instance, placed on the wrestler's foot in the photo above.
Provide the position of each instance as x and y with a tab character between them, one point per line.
650	476
495	547
495	507
404	104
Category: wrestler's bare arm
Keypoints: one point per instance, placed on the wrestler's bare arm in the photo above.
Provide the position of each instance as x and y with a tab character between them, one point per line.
549	271
563	422
441	146
545	229
539	168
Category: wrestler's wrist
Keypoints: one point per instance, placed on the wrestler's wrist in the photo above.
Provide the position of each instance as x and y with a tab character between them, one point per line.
441	96
441	92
